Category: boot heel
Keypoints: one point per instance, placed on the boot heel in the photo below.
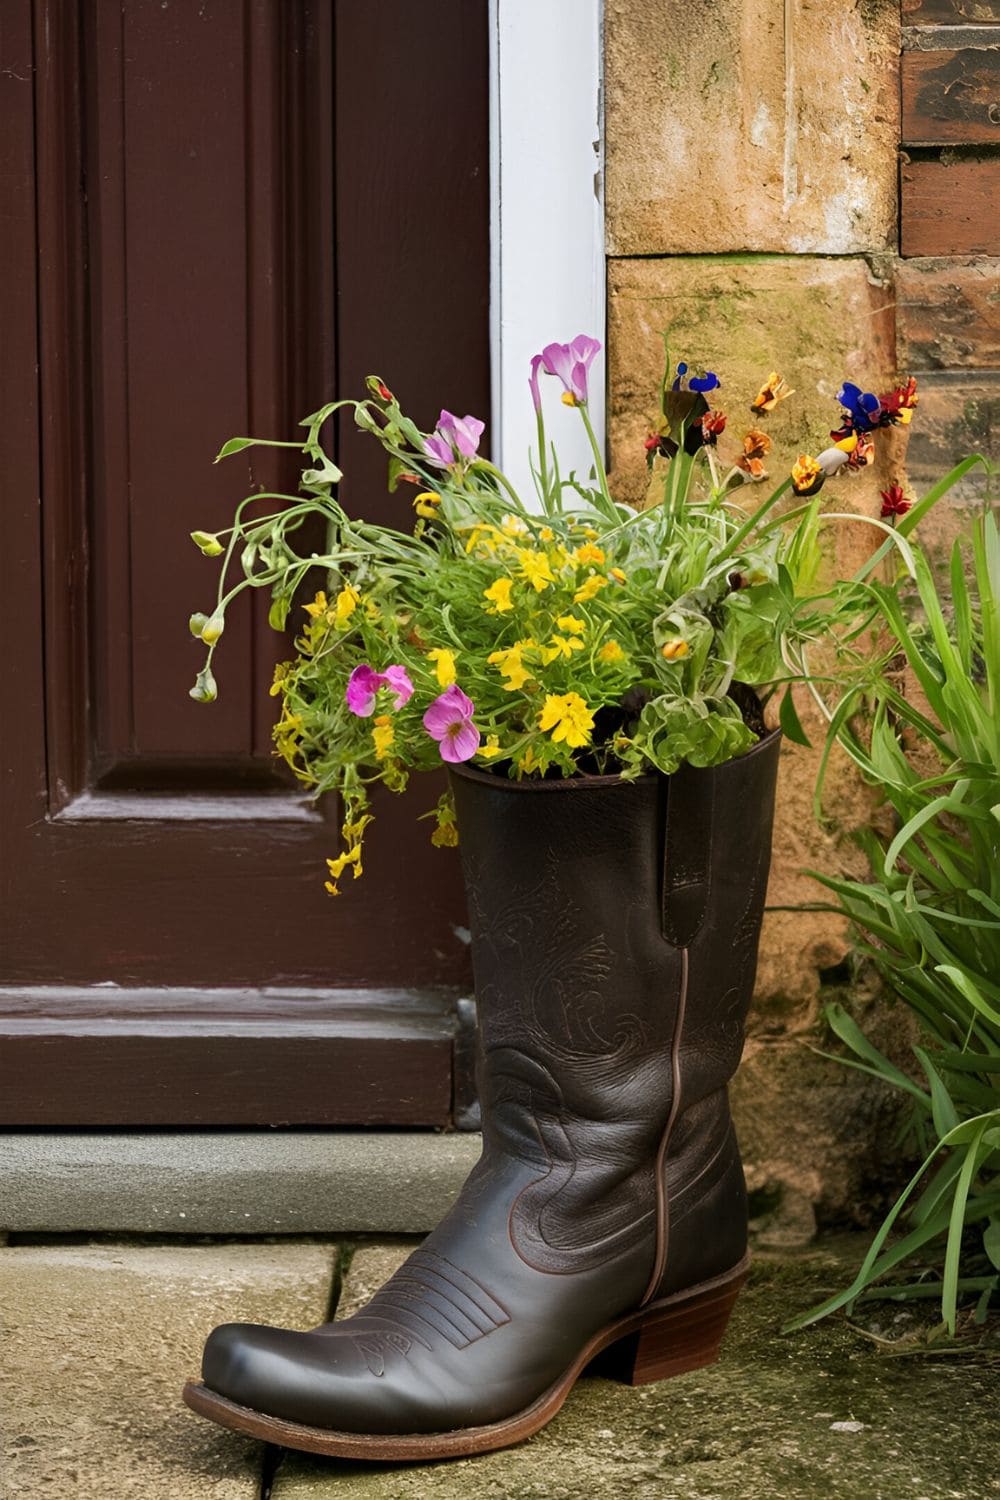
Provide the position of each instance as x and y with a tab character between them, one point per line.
674	1339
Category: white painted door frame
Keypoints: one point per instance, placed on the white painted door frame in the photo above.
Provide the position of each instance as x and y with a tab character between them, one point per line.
547	217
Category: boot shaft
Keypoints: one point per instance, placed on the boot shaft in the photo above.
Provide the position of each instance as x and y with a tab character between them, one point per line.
615	928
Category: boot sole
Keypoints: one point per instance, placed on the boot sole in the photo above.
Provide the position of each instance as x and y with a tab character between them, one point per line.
670	1337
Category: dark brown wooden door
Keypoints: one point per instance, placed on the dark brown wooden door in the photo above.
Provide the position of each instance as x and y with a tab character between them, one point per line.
217	214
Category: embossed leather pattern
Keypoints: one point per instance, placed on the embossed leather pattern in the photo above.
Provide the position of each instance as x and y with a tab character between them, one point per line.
615	930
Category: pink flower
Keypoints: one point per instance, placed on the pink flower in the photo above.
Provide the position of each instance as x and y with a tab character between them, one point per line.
449	721
454	438
364	683
571	364
536	395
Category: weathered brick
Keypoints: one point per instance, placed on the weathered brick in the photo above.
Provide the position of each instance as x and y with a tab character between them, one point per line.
948	314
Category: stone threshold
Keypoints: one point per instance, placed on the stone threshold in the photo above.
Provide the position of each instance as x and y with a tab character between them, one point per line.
231	1182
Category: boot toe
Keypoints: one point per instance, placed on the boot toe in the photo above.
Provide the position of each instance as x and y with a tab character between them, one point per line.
271	1370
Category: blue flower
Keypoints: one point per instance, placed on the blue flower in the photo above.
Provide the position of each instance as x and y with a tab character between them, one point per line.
863	407
701	383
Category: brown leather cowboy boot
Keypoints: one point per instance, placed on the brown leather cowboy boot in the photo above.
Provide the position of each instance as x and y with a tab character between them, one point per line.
615	928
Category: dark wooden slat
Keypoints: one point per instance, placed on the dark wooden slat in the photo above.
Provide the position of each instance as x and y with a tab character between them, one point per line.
951	97
22	736
951	12
950	207
356	1057
948	314
394	226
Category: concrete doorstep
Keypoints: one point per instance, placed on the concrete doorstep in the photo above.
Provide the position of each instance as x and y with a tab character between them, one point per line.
224	1182
98	1339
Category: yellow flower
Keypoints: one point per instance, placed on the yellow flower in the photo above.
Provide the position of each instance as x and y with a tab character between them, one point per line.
282	670
675	649
589	554
589	533
499	594
570	623
589	588
490	746
511	666
568	399
482	531
513	526
617	575
546	534
347	602
445	665
426	504
535	568
568	718
611	651
445	835
337	867
527	761
805	474
318	607
561	645
383	735
371	608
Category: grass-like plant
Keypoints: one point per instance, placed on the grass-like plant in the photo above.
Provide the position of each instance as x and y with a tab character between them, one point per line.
929	918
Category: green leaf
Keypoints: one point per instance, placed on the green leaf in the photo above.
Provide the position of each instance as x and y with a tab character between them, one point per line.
791	725
991	1241
278	613
949	1295
235	445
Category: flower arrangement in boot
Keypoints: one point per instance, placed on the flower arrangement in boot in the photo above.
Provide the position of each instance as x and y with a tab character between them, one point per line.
559	635
591	675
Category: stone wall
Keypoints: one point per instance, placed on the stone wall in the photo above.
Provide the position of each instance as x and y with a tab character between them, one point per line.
751	211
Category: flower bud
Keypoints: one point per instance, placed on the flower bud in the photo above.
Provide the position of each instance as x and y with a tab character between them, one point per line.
205	689
673	650
212	629
208	542
197	624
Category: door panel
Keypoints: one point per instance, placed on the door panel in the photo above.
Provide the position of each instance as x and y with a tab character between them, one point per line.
242	208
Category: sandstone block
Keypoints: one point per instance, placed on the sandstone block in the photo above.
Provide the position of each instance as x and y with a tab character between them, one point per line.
751	126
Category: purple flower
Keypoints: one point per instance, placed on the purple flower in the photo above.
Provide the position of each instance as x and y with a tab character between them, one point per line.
570	363
449	721
454	438
364	683
536	395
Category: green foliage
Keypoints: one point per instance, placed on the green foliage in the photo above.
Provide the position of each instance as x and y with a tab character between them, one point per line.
929	920
589	636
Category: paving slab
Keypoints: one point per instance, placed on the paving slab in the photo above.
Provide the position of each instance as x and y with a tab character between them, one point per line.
818	1415
232	1182
95	1344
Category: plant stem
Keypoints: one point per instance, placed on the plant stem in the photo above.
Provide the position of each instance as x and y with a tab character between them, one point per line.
608	505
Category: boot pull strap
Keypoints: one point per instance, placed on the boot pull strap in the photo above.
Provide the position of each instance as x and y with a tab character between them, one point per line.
687	853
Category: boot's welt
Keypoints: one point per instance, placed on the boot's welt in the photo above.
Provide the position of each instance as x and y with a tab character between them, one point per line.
615	928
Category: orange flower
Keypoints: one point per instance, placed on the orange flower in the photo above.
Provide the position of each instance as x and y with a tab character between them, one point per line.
756	447
771	392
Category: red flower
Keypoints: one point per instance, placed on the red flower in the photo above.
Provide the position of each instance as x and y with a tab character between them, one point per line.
897	405
652	442
712	423
894	502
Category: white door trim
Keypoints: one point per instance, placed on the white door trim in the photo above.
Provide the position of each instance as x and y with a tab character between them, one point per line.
547	278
